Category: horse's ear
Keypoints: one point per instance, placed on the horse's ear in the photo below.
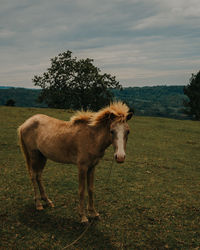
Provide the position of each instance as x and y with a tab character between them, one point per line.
129	116
112	116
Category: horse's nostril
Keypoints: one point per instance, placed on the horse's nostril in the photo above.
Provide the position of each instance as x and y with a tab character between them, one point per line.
120	158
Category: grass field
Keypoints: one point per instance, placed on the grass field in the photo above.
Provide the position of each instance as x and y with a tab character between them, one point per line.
152	201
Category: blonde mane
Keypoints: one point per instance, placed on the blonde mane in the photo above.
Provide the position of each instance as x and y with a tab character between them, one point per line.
118	109
81	117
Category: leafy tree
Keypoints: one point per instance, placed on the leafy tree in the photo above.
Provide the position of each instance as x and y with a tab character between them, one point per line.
192	90
10	103
73	83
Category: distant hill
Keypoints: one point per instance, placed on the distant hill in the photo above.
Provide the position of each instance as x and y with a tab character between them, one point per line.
164	101
23	97
5	87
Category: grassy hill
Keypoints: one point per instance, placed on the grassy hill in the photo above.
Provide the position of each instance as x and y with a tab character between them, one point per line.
151	201
162	101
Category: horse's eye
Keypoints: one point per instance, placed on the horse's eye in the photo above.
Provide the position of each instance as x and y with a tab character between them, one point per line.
127	132
112	132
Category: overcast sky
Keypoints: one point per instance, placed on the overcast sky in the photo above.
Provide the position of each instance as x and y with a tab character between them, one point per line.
141	42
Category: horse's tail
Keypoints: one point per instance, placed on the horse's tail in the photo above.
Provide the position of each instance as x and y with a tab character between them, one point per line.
23	146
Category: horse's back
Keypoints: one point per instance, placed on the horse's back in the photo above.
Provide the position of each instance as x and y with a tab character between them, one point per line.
54	138
40	121
37	127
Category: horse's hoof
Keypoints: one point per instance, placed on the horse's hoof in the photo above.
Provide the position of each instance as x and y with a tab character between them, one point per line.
39	207
84	220
50	204
96	218
94	215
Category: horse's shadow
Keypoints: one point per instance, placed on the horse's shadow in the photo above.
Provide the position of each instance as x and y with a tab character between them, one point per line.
64	229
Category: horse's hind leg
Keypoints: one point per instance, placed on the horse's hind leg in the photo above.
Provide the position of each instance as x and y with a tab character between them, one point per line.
36	166
42	190
38	203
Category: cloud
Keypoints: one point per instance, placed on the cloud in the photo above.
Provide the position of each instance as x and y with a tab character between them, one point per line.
141	42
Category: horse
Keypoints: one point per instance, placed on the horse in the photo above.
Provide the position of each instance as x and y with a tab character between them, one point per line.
82	141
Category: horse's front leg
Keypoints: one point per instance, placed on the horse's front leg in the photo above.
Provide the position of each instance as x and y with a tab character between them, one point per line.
81	190
90	186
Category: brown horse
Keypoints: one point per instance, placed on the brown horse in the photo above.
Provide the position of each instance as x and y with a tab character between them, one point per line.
81	141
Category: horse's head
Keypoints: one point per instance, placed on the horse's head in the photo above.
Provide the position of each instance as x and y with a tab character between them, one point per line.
119	131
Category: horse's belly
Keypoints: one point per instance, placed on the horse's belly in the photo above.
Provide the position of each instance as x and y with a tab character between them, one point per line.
61	158
60	154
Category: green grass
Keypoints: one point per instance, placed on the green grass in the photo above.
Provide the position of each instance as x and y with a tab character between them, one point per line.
152	201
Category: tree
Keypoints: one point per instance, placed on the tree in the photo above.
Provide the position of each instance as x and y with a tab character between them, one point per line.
75	84
192	90
10	102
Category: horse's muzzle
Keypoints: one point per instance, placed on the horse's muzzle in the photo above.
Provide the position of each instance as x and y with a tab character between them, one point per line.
120	158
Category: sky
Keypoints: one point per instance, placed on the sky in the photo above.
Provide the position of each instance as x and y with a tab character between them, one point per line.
141	42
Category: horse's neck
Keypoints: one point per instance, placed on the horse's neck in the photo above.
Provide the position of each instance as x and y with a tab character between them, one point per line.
103	138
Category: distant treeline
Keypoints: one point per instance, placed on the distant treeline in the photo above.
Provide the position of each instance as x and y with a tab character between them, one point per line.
23	97
164	101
